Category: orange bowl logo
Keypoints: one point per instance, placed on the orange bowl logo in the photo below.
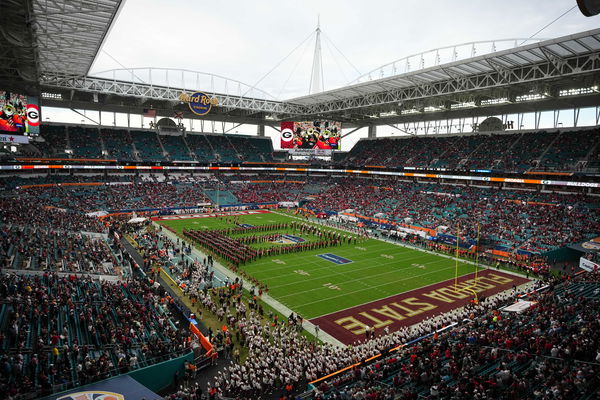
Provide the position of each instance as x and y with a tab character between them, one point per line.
593	244
93	395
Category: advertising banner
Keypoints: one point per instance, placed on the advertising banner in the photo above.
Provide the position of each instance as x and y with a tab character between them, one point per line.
14	139
587	265
308	152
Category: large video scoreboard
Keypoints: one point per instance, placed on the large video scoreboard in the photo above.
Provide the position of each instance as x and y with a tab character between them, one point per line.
19	114
311	135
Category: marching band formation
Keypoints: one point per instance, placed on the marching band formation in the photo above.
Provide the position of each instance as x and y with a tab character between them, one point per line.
237	251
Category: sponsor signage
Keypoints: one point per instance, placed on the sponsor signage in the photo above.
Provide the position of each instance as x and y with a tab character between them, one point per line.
14	139
587	265
308	152
122	387
334	258
199	102
293	169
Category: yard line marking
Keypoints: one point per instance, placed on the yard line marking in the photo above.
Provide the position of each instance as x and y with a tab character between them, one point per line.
308	257
394	295
353	280
362	290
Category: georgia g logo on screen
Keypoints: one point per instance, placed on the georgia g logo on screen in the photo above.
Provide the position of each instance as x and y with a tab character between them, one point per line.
287	135
33	115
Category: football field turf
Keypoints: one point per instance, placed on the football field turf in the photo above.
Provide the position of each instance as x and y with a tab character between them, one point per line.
345	276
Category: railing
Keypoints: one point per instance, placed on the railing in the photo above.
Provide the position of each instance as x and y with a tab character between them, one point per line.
441	55
35	394
184	79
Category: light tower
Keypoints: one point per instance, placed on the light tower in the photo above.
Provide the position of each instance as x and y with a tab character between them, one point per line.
316	74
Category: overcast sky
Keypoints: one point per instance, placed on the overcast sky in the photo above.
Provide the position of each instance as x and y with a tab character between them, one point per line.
244	40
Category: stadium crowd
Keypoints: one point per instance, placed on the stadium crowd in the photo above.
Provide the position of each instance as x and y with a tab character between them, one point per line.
535	223
25	211
74	329
516	152
510	220
545	353
122	144
71	330
548	351
30	248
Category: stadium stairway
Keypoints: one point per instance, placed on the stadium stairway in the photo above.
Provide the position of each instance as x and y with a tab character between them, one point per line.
221	197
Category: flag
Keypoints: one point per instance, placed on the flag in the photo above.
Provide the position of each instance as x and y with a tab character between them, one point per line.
287	135
149	113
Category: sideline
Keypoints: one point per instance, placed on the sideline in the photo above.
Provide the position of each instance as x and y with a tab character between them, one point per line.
306	324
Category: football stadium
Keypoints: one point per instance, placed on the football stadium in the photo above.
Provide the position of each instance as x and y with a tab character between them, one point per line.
310	200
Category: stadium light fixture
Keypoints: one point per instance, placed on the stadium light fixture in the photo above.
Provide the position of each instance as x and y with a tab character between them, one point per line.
410	111
469	104
489	102
531	97
578	91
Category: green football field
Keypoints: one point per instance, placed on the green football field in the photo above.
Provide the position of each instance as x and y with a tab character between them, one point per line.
313	286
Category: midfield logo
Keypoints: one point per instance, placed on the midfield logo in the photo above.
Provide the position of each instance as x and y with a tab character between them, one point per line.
334	259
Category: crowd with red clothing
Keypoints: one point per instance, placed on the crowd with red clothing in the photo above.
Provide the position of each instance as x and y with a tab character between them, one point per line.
549	351
73	330
535	222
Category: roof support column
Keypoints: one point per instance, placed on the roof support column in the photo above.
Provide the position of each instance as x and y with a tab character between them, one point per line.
372	133
520	117
260	131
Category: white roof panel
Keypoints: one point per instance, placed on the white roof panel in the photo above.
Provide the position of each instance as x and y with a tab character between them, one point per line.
560	50
567	46
68	33
590	42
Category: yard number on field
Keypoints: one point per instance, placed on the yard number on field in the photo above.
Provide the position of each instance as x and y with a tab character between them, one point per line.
389	257
278	261
301	272
331	286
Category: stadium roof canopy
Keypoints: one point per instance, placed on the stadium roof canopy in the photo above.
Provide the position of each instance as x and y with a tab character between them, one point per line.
58	41
522	79
52	35
69	33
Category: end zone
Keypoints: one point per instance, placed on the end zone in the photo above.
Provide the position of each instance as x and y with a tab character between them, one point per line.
208	215
412	307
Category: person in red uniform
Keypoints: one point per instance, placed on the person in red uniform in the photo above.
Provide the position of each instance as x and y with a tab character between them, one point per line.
10	120
334	140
